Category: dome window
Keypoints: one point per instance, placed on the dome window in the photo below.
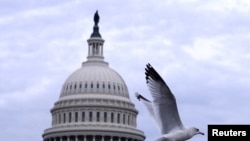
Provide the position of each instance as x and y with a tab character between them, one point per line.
105	116
124	118
98	116
75	86
80	86
97	85
64	118
59	118
118	118
91	85
86	85
76	116
83	116
108	86
90	116
112	117
103	86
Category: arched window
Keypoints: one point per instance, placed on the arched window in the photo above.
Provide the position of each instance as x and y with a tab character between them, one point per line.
97	116
70	116
90	117
124	118
83	116
59	118
118	118
91	85
97	85
86	85
64	117
112	117
105	116
76	116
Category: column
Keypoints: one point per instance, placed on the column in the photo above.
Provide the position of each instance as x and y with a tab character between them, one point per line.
103	138
90	49
84	138
73	116
66	117
101	49
76	138
80	115
93	116
56	116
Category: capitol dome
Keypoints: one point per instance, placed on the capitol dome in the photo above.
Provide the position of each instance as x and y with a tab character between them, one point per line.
94	104
95	78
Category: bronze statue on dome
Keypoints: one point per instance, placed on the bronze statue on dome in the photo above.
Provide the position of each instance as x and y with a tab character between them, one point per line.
96	18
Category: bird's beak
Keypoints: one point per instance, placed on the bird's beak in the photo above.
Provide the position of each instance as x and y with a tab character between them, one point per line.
201	133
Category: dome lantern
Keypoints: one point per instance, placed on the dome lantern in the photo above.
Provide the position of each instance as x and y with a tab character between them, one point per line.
95	43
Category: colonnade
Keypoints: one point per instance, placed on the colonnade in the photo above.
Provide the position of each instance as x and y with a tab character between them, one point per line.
92	115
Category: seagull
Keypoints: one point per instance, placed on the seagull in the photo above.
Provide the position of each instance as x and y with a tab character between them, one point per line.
163	109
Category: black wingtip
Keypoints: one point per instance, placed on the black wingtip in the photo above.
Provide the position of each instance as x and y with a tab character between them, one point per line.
149	65
147	70
151	73
139	97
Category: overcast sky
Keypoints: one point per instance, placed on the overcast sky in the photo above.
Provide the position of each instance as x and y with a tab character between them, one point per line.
200	47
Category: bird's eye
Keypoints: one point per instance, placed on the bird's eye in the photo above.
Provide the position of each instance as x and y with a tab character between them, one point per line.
197	129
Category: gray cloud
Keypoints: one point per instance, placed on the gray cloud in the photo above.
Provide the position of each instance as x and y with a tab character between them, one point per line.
201	51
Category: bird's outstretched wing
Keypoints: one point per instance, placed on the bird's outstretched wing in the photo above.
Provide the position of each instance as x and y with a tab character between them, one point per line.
163	103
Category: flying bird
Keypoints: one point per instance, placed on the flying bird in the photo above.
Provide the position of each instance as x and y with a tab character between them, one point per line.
163	109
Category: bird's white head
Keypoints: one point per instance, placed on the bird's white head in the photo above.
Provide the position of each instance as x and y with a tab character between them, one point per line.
194	131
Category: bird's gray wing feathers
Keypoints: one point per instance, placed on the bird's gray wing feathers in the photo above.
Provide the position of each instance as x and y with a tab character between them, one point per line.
164	103
148	105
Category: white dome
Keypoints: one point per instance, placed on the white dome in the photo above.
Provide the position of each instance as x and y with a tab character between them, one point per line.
95	78
94	103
